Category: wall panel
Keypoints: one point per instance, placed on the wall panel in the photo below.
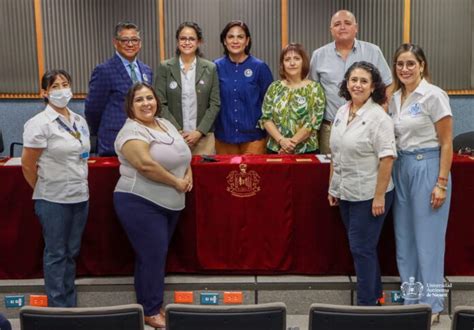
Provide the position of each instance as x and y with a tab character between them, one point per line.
78	33
204	12
380	22
262	16
445	31
19	64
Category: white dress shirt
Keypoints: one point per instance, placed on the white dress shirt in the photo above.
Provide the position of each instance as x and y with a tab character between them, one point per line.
62	173
188	96
357	149
414	122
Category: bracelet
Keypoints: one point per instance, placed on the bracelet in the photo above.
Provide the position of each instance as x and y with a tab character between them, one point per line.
280	140
440	178
441	187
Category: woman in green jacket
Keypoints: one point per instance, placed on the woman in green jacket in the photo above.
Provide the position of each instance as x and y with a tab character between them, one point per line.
188	89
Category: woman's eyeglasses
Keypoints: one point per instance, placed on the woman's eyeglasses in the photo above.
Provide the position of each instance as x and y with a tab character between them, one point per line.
187	39
410	65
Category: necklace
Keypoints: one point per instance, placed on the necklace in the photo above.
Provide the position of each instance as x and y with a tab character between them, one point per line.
294	84
170	139
405	96
351	117
352	114
407	93
164	129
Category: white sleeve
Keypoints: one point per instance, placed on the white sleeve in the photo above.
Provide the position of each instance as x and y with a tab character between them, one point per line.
131	132
35	135
384	142
439	106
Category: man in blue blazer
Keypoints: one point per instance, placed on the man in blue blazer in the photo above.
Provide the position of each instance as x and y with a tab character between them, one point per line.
108	86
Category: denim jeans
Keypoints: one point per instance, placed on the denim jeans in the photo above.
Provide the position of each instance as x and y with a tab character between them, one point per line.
363	232
63	225
4	323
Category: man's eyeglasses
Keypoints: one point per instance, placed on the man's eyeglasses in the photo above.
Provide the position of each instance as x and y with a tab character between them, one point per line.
126	41
186	39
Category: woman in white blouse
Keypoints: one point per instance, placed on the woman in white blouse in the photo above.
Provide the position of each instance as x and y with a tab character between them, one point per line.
423	127
54	161
363	148
155	174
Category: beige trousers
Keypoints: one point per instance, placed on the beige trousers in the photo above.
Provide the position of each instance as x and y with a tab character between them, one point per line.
323	138
205	146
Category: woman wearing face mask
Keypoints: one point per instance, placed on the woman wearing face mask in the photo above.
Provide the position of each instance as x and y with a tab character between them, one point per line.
54	161
188	89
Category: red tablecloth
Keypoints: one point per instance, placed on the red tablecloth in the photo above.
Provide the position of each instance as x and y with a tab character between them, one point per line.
269	216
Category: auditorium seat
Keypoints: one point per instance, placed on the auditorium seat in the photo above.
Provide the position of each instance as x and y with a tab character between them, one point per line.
270	316
463	318
464	140
12	148
343	317
121	317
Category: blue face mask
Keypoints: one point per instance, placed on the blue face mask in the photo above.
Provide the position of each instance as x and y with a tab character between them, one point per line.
60	97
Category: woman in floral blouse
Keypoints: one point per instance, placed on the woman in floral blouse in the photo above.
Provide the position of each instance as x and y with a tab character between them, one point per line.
293	107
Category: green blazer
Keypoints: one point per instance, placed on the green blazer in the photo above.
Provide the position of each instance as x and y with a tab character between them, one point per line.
168	88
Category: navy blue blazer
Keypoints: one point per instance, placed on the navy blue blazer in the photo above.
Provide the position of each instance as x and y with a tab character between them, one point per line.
105	102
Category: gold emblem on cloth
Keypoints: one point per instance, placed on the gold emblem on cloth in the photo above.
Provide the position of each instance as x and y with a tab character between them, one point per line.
243	183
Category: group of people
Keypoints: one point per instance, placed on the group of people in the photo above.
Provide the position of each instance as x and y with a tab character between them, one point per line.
222	107
334	103
399	159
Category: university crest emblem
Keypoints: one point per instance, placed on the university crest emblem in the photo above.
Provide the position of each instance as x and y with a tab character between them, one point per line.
243	183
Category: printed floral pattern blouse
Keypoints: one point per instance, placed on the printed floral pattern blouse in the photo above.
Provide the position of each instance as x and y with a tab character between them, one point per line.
290	109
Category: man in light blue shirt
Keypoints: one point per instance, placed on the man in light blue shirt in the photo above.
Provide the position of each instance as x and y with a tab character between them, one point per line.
330	62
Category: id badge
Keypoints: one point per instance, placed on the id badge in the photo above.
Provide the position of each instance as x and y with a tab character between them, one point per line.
84	155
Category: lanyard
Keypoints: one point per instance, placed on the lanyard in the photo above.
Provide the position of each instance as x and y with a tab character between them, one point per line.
76	134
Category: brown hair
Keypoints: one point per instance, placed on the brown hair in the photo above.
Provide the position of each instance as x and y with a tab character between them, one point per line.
299	49
420	57
131	95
